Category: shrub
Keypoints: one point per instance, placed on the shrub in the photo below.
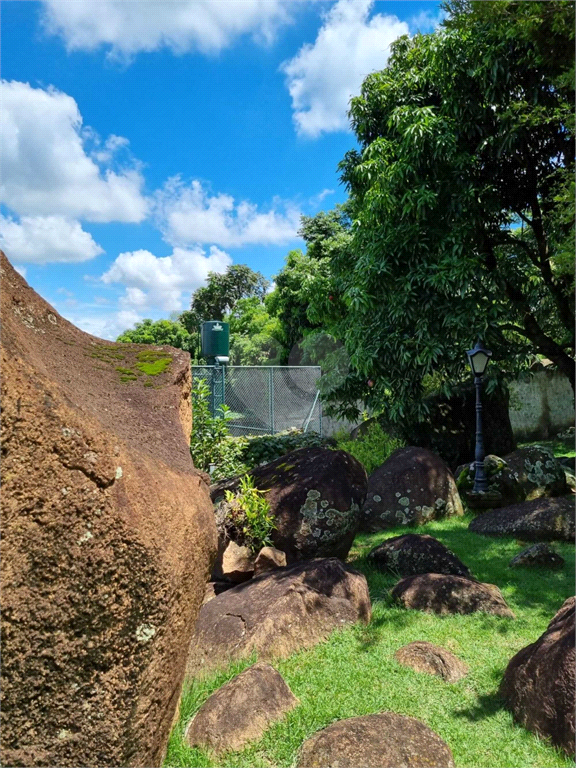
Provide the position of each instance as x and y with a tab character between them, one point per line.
210	442
249	512
263	449
372	448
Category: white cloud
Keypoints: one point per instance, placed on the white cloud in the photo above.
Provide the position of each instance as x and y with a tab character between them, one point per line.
46	170
427	21
188	214
43	239
104	326
127	28
322	77
163	282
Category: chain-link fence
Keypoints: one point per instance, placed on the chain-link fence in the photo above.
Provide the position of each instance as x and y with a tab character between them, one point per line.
265	398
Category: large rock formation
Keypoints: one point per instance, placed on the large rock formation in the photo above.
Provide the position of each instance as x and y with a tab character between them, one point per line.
414	553
278	613
108	536
315	496
539	682
412	487
385	740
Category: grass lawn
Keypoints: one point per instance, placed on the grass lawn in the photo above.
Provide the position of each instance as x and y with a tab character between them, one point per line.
560	446
354	672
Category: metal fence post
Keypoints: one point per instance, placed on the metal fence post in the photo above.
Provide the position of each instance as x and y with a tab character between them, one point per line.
271	396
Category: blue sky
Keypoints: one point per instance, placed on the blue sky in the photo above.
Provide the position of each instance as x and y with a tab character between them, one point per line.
145	143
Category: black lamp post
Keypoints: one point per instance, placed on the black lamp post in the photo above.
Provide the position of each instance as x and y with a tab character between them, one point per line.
479	359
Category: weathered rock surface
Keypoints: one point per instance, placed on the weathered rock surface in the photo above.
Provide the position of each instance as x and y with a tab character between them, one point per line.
214	588
538	472
504	487
413	553
412	487
539	555
385	740
107	540
242	710
537	520
269	559
433	660
539	682
278	613
315	496
233	563
450	594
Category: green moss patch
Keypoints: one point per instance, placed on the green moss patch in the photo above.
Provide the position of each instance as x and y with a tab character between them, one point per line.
152	362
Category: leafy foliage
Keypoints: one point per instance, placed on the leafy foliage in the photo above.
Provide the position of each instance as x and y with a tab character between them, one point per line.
249	511
371	448
263	449
459	196
210	442
254	334
161	332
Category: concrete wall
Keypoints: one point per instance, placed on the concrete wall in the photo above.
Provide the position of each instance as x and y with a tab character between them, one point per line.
542	406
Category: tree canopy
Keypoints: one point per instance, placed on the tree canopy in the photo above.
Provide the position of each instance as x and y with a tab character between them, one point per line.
461	199
159	332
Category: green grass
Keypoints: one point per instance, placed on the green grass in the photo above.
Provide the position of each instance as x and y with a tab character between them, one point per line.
354	672
560	446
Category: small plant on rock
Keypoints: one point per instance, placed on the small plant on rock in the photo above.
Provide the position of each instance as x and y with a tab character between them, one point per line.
249	513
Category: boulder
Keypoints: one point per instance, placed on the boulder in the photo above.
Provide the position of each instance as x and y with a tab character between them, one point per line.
385	740
439	593
412	487
539	555
108	538
538	472
214	588
233	563
241	711
504	488
315	496
537	520
269	559
278	613
539	682
568	462
413	553
433	660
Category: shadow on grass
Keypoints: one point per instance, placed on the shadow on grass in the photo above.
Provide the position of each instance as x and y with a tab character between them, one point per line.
486	706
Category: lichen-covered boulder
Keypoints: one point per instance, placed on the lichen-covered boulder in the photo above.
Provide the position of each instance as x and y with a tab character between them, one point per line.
241	710
384	740
422	656
537	520
504	488
413	553
278	613
107	540
412	487
440	593
539	555
538	472
315	495
539	682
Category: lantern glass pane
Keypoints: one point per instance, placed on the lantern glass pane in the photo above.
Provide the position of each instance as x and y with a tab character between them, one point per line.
479	362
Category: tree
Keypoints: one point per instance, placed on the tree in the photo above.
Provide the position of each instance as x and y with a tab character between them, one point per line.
212	301
159	332
253	334
461	204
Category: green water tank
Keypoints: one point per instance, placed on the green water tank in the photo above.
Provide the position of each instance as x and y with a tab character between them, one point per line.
215	340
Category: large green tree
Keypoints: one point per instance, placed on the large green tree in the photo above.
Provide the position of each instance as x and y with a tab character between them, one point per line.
461	200
161	332
220	294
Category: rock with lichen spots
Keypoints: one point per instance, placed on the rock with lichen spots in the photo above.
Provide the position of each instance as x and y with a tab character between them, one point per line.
315	495
412	487
538	472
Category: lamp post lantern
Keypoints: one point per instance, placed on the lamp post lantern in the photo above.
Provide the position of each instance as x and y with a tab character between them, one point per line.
479	357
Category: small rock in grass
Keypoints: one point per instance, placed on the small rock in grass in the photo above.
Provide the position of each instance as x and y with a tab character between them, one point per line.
440	593
414	553
385	740
432	659
242	710
539	555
